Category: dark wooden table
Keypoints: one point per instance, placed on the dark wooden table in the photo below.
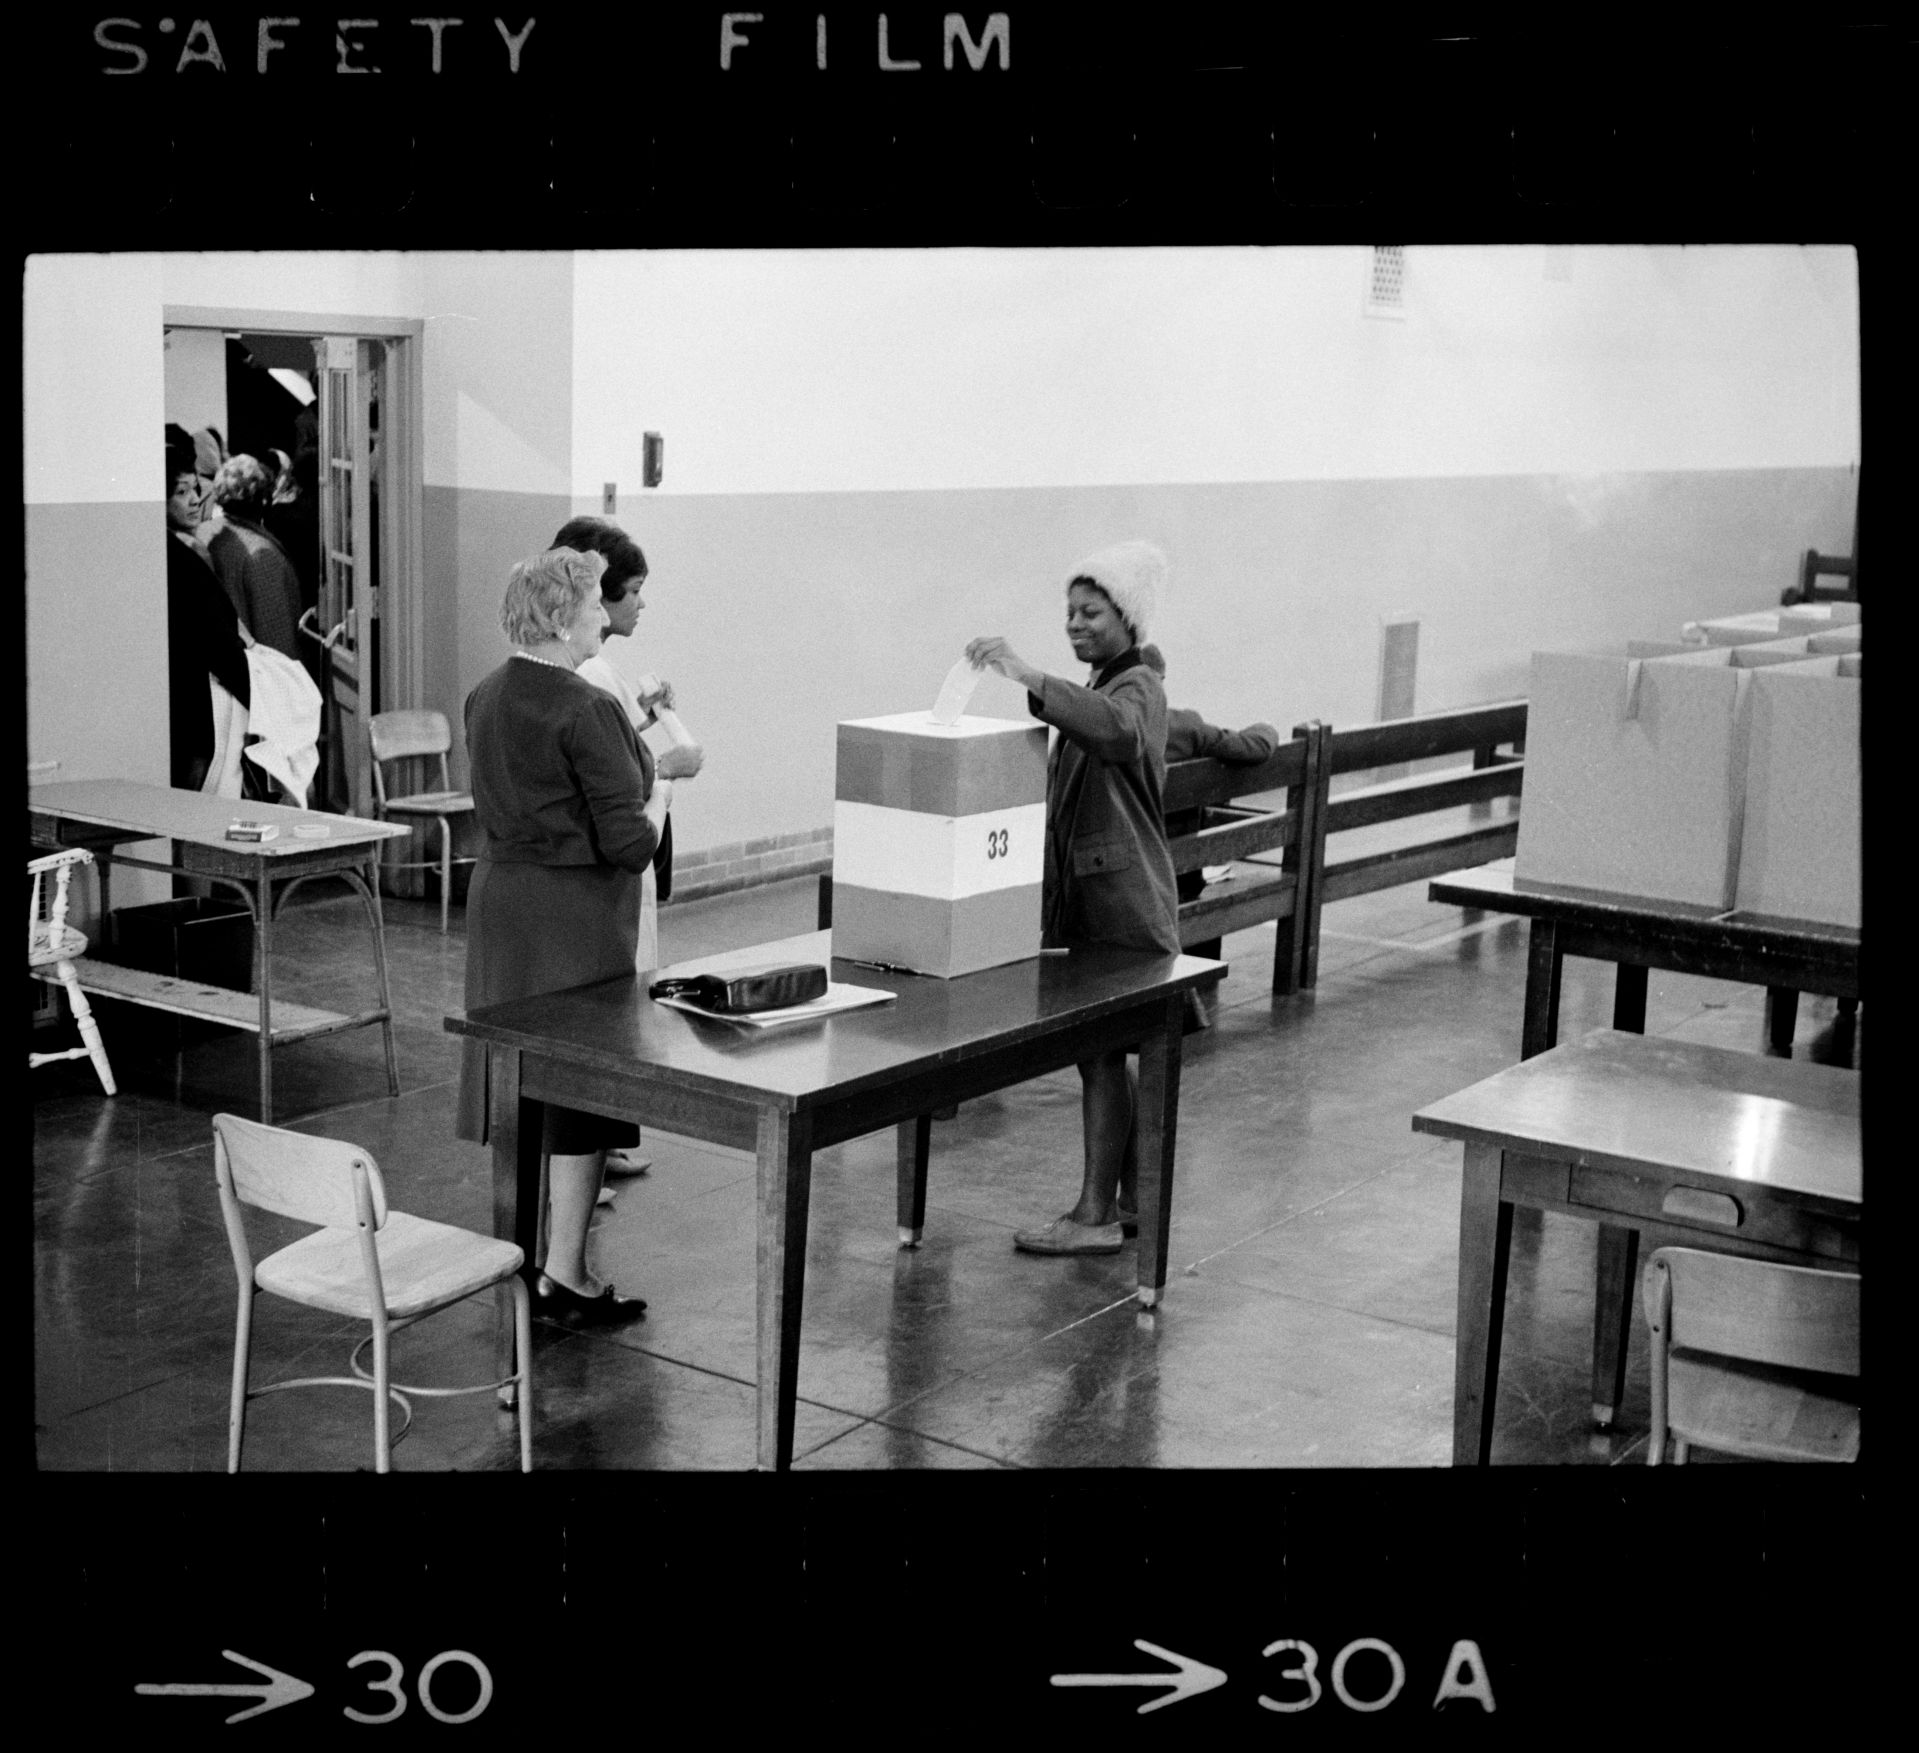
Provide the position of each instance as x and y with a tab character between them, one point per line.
788	1091
1670	1140
1785	956
108	815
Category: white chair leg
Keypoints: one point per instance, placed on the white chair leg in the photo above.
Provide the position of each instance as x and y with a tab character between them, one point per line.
382	1405
89	1029
523	1346
446	871
1680	1451
237	1400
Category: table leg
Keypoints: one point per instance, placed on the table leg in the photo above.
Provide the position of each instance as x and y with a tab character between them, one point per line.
1543	960
1618	1249
1156	1128
1782	1016
1485	1249
263	967
1629	998
785	1177
915	1141
1612	1315
369	887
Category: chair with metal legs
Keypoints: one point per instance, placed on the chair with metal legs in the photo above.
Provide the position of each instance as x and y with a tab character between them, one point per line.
396	736
367	1261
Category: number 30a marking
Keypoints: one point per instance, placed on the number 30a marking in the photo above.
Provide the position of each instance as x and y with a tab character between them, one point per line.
395	1670
996	843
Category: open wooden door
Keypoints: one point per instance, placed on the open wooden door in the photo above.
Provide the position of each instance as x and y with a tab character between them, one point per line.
349	595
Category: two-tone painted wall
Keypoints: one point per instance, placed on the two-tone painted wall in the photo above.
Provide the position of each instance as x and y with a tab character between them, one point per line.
871	456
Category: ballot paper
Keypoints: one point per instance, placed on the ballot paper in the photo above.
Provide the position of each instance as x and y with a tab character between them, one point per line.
955	691
837	997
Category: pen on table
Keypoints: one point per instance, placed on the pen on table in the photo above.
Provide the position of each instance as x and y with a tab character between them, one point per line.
879	967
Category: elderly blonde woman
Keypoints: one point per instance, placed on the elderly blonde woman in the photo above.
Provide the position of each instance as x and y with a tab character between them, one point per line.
566	797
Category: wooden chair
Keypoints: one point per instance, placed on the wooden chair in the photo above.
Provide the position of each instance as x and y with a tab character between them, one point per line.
1752	1357
399	736
52	948
369	1262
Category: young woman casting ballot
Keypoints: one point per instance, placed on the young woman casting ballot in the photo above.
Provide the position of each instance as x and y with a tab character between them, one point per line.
1108	874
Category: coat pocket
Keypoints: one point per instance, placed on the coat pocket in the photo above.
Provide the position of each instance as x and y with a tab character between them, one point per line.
1102	854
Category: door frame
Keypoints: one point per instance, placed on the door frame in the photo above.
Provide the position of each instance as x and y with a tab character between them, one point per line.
402	470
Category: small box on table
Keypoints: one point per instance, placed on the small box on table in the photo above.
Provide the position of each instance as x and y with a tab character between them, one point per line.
939	835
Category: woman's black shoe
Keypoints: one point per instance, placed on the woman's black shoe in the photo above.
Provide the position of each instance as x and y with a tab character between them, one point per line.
550	1297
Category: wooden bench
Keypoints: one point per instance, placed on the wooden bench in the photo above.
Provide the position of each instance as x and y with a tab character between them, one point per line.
1210	823
1407	829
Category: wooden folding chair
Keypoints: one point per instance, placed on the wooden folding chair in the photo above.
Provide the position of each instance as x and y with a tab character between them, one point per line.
399	736
1752	1357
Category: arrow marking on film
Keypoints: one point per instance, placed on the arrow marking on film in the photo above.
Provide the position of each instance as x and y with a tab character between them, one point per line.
1192	1679
280	1688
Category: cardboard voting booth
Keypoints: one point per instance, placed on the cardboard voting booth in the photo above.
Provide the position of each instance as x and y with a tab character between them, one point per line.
1719	776
939	836
1799	854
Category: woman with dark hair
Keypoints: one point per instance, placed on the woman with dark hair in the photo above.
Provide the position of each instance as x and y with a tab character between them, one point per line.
206	640
1108	875
565	794
620	585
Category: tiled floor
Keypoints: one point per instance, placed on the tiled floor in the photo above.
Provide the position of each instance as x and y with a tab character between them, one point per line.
1308	1322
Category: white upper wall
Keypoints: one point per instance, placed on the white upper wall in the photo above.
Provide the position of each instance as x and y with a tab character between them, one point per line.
863	370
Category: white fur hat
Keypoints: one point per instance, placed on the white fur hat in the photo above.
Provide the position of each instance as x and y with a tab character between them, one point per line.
1131	573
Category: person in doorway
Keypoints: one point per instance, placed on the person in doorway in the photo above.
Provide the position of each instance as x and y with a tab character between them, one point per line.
620	586
206	641
1108	875
259	577
572	816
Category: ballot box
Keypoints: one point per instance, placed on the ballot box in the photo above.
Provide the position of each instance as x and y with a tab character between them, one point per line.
1799	852
939	836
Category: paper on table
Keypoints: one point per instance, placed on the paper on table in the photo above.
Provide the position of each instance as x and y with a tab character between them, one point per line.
955	691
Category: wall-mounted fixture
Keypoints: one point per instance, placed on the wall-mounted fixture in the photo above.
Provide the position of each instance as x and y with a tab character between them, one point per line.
610	498
652	460
1386	282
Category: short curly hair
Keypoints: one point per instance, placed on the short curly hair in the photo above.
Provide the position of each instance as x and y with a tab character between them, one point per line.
245	483
601	535
544	595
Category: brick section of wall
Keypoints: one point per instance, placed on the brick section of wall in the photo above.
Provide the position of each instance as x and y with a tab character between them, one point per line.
745	864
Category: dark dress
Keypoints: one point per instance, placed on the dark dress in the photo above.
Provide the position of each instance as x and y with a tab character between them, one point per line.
260	581
203	639
558	781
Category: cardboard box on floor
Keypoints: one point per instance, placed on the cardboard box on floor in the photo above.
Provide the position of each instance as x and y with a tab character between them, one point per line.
1799	853
1636	769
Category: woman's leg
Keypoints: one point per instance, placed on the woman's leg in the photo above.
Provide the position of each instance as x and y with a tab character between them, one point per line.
573	1186
1106	1109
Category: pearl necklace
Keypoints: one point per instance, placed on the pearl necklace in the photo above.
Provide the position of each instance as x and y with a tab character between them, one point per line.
550	663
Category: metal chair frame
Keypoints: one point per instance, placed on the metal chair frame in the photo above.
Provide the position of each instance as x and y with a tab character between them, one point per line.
339	1186
407	735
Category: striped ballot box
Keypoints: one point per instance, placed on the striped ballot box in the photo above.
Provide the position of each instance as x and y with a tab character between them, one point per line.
939	835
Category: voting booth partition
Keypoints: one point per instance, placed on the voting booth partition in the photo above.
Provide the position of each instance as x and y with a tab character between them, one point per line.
1720	775
939	836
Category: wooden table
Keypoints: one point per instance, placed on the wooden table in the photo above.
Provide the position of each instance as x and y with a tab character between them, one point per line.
1787	957
104	815
786	1092
1670	1140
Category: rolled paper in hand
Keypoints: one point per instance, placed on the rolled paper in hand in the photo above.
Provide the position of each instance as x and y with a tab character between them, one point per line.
650	688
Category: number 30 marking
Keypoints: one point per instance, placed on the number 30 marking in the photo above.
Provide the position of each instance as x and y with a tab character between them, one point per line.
395	1671
996	843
